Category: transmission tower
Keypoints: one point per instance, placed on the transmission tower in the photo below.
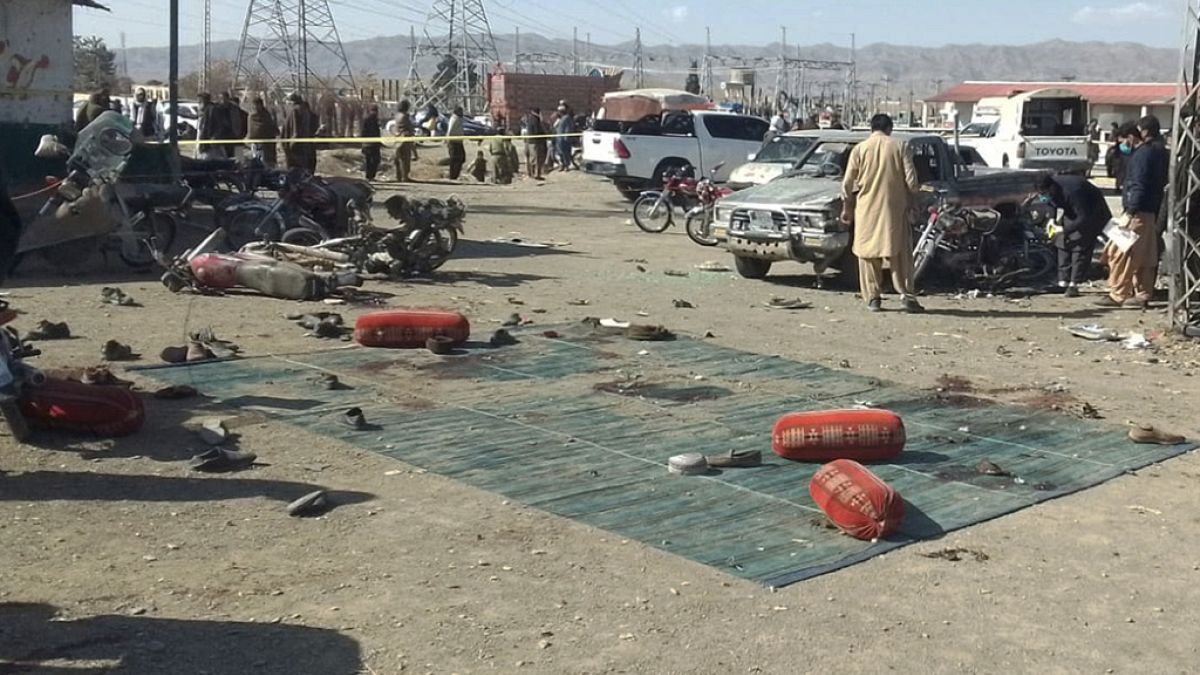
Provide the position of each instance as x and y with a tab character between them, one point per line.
1183	227
282	39
458	39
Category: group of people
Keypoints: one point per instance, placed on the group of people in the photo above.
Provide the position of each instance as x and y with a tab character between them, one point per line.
880	181
227	122
502	159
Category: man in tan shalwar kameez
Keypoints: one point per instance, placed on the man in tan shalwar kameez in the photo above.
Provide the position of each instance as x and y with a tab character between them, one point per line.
877	194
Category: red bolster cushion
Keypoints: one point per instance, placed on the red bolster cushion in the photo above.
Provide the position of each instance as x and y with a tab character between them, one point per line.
104	410
410	328
856	500
863	435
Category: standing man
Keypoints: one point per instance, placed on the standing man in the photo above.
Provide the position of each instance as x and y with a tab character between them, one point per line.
454	146
207	128
1085	213
373	150
1132	274
876	196
223	114
144	114
535	145
564	127
404	151
299	123
261	127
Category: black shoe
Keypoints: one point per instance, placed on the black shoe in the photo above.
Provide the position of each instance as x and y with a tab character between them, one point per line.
355	419
311	504
1071	292
874	305
911	306
1107	301
221	459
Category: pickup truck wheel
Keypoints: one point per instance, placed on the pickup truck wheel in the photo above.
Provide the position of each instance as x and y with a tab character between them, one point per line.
752	268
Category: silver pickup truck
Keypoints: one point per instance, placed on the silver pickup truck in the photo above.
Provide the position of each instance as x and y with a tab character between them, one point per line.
796	216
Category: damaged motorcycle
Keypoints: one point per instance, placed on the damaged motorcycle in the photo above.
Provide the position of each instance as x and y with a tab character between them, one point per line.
983	247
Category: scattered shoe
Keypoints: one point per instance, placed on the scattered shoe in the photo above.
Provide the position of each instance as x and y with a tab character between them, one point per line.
176	392
1094	332
174	354
50	330
213	432
735	459
688	464
1071	292
502	338
313	321
217	348
785	303
196	351
874	305
682	304
311	504
643	333
330	382
115	351
512	320
440	344
990	469
1145	433
222	459
116	296
911	306
355	419
1109	302
328	329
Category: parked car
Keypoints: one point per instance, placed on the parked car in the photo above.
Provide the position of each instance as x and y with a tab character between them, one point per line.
796	216
1045	129
636	155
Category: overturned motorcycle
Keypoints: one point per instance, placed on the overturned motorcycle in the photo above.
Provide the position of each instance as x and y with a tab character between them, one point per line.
426	237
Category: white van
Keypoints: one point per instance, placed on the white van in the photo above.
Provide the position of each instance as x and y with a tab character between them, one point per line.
1044	129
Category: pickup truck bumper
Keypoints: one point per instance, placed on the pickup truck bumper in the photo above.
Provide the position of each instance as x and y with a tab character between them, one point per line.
1082	166
607	169
812	246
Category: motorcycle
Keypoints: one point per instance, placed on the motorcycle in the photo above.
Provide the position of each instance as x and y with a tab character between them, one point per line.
91	208
700	219
308	209
981	246
654	210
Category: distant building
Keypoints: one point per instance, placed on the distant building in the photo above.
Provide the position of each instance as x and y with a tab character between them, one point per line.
37	89
1109	101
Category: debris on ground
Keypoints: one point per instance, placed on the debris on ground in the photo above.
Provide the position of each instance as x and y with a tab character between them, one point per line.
512	320
115	296
50	330
713	266
578	303
176	392
221	349
675	273
613	323
956	554
100	375
989	468
324	324
1138	508
329	382
1135	341
1148	433
787	303
682	304
552	334
116	351
1094	332
440	345
213	431
646	333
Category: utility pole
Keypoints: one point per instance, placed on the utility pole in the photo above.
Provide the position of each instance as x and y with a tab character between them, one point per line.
575	50
781	77
173	86
851	96
708	70
639	75
516	49
124	58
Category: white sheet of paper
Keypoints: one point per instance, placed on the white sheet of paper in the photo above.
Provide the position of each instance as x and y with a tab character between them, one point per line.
1120	237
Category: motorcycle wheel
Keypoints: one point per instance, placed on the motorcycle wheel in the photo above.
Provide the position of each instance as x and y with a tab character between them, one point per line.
926	248
147	232
700	230
1041	262
252	224
301	236
653	212
445	240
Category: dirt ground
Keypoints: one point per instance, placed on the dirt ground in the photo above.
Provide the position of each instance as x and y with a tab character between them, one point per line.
117	558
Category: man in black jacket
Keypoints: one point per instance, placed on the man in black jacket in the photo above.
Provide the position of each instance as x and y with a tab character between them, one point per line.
373	151
1132	273
1085	213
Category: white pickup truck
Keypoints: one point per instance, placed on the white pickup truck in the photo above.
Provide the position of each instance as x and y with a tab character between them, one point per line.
1044	129
635	155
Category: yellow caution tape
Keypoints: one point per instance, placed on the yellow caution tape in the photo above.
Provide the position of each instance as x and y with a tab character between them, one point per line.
383	140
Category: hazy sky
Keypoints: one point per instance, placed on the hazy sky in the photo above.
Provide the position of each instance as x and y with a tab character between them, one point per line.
909	22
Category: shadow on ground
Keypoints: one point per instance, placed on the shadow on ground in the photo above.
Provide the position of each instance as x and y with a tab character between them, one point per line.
35	639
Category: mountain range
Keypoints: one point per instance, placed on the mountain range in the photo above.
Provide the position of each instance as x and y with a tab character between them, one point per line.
900	69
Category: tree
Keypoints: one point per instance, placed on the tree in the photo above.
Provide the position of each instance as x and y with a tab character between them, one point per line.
95	64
